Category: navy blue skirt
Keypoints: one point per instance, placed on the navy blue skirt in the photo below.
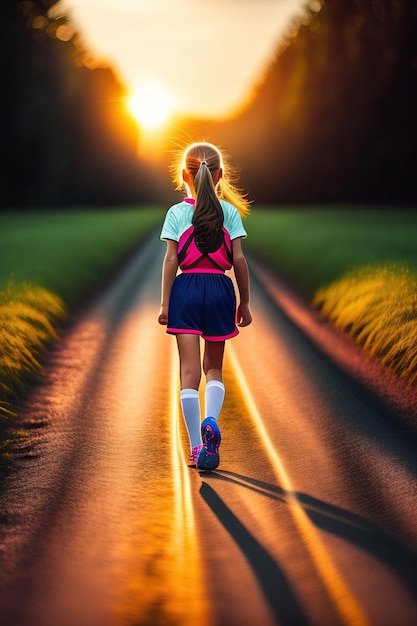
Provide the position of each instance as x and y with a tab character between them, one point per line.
203	304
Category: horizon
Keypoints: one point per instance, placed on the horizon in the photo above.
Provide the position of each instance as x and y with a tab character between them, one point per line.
144	45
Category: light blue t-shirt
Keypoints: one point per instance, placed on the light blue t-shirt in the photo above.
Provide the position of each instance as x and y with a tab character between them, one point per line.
179	218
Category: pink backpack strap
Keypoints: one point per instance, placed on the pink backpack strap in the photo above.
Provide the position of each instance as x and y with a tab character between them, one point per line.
209	256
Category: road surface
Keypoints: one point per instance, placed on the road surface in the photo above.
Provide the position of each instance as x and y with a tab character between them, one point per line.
309	519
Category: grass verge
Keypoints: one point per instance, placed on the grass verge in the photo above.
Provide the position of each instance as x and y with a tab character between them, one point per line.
27	318
377	307
358	266
50	262
28	315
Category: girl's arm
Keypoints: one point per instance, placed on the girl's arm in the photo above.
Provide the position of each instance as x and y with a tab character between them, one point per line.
244	316
169	271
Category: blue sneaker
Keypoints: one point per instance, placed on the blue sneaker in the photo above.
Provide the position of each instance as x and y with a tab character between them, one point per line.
208	457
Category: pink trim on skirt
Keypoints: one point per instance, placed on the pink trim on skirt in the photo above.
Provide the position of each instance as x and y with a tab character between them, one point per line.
191	331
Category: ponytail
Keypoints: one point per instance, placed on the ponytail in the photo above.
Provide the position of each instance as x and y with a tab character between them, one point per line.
208	215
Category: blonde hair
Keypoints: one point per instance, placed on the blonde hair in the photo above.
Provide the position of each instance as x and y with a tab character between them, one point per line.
225	189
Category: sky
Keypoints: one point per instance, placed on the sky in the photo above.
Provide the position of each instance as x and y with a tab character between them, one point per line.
205	55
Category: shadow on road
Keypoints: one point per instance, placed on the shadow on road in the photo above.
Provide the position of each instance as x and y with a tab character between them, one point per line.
272	580
329	518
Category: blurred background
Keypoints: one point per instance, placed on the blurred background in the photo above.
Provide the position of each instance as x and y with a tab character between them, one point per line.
315	101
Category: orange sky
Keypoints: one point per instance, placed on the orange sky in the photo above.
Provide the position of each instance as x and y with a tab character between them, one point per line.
205	54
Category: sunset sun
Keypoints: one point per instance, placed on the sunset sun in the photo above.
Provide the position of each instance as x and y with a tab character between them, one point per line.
150	106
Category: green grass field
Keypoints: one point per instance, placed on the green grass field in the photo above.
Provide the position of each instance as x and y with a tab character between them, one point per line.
314	247
357	265
69	251
50	262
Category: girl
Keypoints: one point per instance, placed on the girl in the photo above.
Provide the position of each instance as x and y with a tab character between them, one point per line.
203	235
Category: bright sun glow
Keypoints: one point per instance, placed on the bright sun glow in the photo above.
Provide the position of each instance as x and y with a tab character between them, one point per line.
150	106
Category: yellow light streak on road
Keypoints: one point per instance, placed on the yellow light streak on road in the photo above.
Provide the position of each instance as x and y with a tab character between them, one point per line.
190	593
346	604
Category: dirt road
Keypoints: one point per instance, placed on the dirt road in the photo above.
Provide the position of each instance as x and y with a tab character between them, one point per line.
310	518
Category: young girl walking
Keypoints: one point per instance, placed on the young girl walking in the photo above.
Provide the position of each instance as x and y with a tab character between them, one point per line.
203	235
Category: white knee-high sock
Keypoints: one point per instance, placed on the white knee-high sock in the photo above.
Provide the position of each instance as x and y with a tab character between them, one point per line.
214	398
190	404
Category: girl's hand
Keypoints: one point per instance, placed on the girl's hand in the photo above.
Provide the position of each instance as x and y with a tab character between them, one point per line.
243	316
163	316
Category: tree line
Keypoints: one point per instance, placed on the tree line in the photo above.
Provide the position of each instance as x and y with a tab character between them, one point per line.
334	119
66	136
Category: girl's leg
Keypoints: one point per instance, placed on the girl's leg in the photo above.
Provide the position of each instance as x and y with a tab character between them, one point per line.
212	365
213	360
208	458
190	363
190	375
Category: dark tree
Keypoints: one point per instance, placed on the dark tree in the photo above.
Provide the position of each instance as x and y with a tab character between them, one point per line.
335	119
66	135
